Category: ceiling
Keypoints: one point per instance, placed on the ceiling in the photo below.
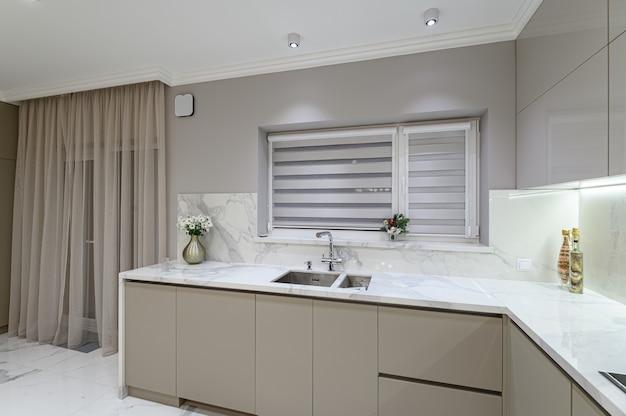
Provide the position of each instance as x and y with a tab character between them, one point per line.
50	47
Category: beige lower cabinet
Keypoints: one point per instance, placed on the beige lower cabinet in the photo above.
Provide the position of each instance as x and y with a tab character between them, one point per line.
536	386
345	368
439	363
582	405
400	398
150	341
216	348
284	355
452	348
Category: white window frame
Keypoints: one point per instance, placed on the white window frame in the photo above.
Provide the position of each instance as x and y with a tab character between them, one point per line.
400	200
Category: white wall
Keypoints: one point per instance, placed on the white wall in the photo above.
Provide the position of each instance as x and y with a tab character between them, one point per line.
216	150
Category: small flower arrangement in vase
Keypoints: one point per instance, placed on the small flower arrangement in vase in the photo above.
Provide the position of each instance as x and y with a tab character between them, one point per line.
396	225
195	226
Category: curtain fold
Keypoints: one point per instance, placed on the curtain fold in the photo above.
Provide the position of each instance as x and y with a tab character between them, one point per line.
89	203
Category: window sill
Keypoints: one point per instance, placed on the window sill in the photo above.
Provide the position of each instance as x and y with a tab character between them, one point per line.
397	244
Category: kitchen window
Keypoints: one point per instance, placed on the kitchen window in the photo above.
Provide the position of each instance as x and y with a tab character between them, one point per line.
350	179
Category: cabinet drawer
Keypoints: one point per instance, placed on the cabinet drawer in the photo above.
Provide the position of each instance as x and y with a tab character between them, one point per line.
399	398
458	349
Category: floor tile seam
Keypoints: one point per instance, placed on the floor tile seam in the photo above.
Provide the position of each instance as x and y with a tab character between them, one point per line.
57	368
84	379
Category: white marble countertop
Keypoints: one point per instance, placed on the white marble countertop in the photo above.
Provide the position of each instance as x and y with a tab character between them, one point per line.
581	333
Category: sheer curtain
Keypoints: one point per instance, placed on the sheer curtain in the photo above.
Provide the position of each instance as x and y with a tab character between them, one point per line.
89	203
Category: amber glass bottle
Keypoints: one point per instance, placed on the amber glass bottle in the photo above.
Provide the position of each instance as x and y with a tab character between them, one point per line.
563	262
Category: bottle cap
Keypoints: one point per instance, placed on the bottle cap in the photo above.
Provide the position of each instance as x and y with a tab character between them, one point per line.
576	232
565	232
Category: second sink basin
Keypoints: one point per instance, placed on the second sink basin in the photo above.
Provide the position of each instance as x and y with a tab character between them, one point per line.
309	278
360	281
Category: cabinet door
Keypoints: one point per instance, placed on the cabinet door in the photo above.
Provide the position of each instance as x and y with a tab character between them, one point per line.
617	105
563	135
150	337
553	44
216	347
452	348
345	374
284	367
617	18
403	398
536	386
583	405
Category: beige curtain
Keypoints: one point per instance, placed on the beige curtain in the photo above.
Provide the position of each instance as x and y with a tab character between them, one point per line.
89	203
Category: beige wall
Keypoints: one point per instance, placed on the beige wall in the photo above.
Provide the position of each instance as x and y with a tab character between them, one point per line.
8	149
216	150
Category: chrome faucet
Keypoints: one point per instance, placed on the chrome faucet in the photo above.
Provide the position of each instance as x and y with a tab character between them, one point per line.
331	259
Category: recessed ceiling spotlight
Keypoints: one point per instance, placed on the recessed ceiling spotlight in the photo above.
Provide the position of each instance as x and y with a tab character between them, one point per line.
293	40
431	17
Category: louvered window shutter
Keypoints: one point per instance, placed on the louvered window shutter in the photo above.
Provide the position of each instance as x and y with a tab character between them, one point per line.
440	183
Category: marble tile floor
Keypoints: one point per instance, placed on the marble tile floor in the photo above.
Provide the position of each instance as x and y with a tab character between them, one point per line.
39	379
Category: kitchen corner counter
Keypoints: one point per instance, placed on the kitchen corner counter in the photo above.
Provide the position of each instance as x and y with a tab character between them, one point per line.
583	334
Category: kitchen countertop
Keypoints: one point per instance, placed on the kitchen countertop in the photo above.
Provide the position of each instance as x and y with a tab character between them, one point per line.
581	333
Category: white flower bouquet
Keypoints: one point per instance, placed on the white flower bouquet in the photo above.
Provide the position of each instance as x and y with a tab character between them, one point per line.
195	225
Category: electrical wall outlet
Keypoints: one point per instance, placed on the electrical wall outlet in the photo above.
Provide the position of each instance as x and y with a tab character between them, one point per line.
524	265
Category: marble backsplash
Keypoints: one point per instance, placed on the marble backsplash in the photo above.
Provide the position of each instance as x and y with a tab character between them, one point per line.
233	239
603	239
523	224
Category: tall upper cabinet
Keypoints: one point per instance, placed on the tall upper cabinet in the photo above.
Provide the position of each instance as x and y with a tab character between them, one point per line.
8	151
563	93
617	87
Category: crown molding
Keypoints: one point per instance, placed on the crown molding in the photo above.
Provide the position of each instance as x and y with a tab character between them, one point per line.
89	83
340	56
484	35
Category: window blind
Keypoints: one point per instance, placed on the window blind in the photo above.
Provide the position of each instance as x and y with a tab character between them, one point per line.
340	179
440	194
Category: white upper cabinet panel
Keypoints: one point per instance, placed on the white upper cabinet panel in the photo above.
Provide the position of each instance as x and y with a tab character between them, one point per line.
617	106
563	136
560	37
617	18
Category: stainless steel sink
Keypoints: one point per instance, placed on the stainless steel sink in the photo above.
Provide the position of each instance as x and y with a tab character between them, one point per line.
360	281
308	278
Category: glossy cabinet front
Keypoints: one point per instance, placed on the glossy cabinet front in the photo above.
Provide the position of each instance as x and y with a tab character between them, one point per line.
617	105
563	135
560	37
563	93
617	18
